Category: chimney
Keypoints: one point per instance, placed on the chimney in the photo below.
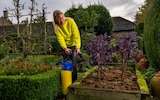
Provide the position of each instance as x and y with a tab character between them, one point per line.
5	14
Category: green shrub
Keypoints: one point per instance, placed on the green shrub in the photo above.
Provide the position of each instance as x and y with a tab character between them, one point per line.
152	35
139	29
148	74
85	37
44	86
55	44
1	51
44	59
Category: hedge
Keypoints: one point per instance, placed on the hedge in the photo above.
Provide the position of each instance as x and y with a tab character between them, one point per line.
152	34
45	86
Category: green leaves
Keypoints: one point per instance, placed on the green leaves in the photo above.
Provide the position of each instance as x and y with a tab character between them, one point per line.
94	18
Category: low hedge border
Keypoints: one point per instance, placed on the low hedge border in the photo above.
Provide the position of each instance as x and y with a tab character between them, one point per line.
143	86
44	86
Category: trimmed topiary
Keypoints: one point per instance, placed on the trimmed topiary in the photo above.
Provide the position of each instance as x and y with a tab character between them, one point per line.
152	34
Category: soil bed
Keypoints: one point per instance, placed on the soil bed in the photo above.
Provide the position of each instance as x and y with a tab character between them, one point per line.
111	79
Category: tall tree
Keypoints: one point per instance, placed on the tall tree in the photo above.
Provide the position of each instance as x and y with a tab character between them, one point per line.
139	20
94	18
70	12
44	23
17	12
32	9
80	15
93	21
140	15
152	34
105	23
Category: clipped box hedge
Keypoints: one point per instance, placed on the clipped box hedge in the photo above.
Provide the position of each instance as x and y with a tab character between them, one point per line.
45	86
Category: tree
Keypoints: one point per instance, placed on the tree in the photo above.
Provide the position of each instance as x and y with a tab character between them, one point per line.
127	48
93	21
40	25
81	20
139	29
105	23
81	17
94	18
152	34
71	11
32	9
140	15
139	20
100	50
17	12
25	35
45	31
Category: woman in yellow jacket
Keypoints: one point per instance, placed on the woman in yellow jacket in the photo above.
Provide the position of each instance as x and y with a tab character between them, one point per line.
68	37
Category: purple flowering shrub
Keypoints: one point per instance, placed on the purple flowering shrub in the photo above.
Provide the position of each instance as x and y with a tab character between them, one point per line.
101	50
127	47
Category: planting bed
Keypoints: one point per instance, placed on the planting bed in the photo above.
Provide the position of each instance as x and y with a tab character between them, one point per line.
110	86
111	79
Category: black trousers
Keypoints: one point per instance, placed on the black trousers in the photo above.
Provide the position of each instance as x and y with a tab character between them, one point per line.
73	57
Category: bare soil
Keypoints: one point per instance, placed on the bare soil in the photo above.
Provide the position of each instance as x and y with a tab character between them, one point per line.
111	79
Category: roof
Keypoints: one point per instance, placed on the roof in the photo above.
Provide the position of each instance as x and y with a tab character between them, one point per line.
121	24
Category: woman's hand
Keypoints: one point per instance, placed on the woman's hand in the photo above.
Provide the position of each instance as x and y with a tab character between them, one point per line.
68	51
78	51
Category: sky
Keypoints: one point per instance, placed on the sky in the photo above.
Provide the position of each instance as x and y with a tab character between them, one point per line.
123	8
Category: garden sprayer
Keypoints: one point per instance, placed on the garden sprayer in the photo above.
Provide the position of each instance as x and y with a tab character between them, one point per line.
69	71
66	76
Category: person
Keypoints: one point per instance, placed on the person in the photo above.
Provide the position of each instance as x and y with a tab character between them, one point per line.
68	36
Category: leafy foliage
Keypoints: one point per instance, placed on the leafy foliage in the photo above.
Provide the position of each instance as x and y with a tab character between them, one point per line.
139	29
43	86
81	17
127	45
1	51
148	74
103	48
99	49
94	18
141	13
105	23
55	46
152	35
85	37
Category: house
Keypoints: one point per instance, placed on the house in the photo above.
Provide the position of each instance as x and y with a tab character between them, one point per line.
4	20
6	24
122	26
